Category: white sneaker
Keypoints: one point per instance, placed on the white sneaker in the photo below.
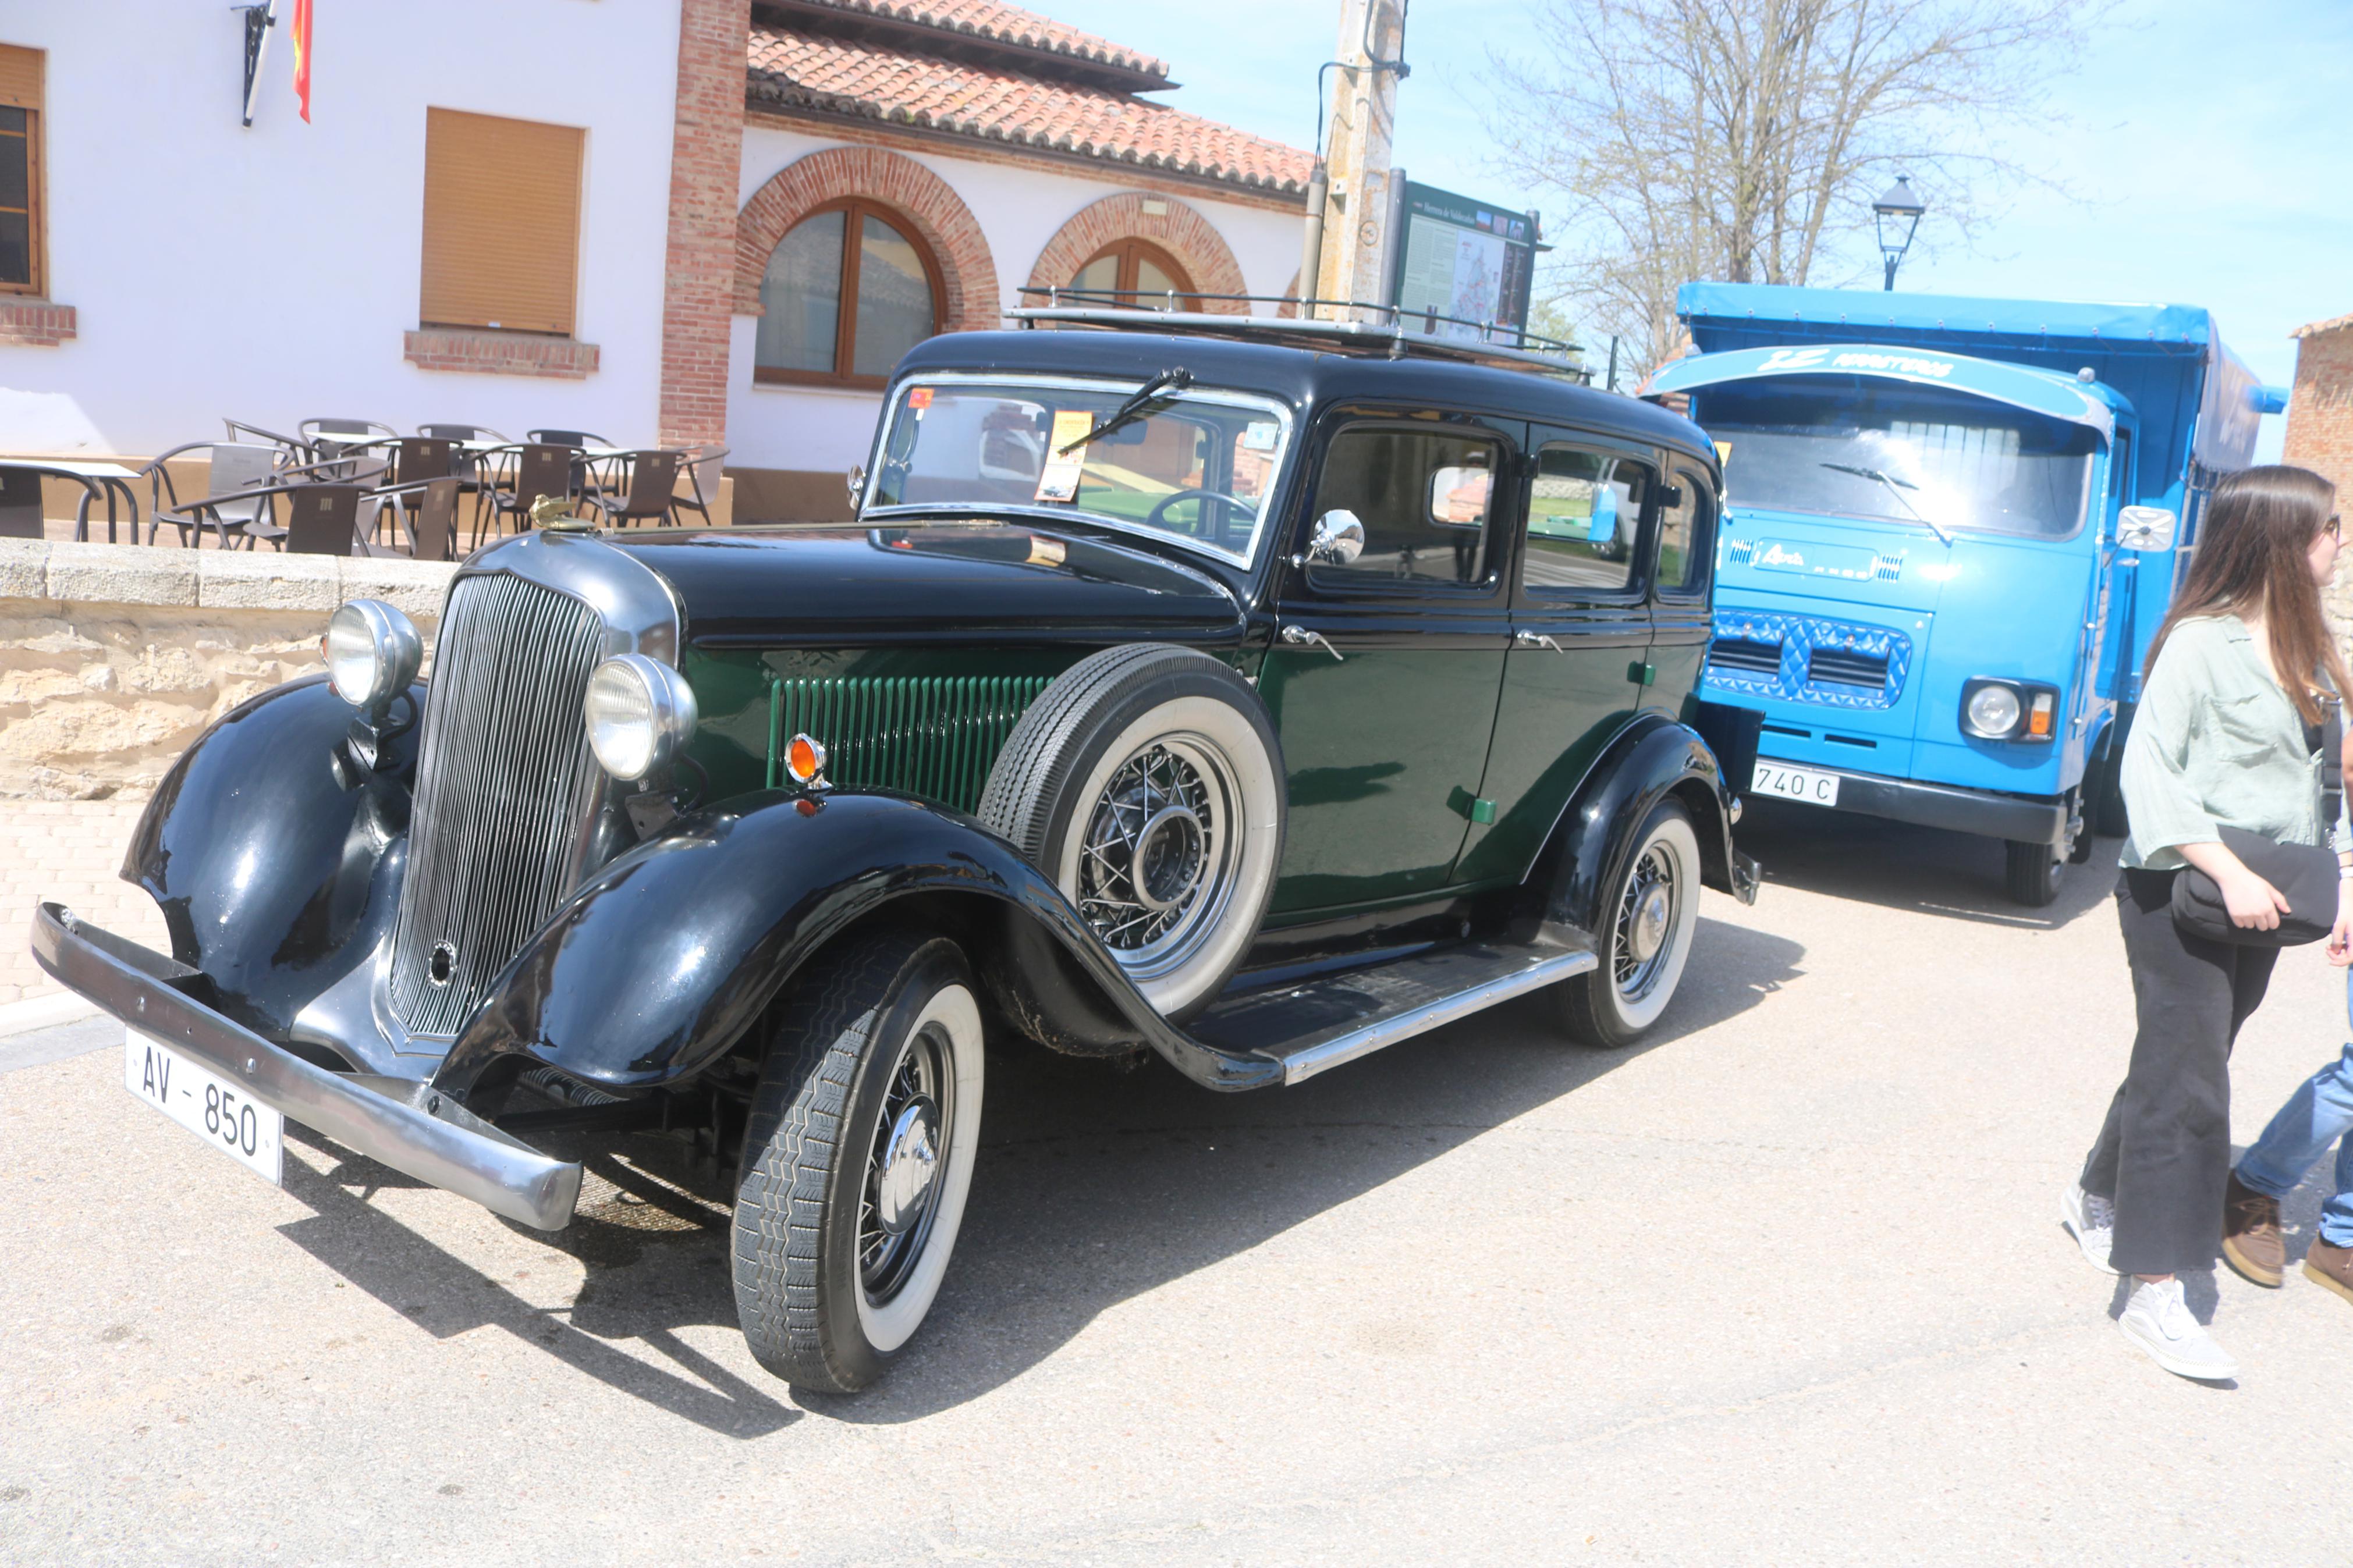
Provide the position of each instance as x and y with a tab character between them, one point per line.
2093	1220
2158	1322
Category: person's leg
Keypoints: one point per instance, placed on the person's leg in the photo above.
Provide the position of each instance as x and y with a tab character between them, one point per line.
2315	1116
2099	1175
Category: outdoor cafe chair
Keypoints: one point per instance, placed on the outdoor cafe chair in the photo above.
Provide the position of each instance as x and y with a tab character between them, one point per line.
582	478
20	504
238	470
471	461
329	437
324	520
297	449
541	469
653	481
428	512
415	459
700	466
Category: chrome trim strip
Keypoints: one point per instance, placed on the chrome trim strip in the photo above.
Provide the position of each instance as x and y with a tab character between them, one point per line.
1364	1042
407	1126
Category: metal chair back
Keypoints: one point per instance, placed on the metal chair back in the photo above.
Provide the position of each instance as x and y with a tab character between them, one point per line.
565	438
421	457
541	469
433	522
653	476
323	520
240	466
705	467
20	504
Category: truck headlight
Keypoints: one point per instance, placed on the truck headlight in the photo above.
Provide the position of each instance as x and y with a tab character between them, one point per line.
371	652
2009	710
640	712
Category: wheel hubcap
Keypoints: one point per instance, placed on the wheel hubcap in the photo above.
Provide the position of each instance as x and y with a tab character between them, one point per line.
901	1195
1646	921
1650	932
911	1164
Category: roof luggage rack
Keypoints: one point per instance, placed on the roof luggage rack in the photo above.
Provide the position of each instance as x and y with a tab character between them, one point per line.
1386	331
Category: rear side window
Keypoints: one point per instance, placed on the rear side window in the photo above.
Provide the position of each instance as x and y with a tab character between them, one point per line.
1686	533
1585	514
1424	499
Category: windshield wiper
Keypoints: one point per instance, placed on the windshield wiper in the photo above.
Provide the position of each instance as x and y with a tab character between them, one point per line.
1896	488
1151	391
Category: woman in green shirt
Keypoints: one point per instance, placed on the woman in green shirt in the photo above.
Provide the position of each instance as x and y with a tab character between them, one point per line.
2240	678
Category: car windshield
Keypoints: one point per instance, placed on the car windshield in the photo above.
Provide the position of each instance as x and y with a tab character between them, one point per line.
1199	465
1851	447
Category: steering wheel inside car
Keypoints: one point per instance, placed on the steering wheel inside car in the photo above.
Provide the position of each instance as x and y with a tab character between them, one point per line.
1158	516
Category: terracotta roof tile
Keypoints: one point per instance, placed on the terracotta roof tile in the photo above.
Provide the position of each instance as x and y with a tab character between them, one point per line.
804	70
1004	23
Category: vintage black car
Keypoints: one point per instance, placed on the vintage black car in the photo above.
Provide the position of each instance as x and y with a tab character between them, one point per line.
1256	704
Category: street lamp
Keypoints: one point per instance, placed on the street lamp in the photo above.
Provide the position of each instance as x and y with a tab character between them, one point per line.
1898	207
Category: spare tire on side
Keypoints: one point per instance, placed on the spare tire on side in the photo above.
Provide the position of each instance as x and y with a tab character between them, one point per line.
1147	782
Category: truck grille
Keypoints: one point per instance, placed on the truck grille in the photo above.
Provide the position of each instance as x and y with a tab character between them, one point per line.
1841	668
1738	653
504	782
934	736
1803	659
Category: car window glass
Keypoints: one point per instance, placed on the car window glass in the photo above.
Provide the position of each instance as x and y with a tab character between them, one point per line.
1423	497
1686	524
1585	510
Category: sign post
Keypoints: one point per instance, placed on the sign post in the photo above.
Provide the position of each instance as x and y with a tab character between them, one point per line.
1462	258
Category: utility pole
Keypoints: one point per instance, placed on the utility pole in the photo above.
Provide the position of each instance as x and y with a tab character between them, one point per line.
1355	221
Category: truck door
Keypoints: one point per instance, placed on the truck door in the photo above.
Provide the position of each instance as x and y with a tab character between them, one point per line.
1580	637
1383	675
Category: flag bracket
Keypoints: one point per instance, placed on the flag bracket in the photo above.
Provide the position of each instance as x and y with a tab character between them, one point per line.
258	19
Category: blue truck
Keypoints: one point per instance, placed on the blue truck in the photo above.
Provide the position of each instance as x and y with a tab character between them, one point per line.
1950	527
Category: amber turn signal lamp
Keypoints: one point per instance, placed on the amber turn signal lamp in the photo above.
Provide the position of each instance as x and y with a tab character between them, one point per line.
2038	718
804	761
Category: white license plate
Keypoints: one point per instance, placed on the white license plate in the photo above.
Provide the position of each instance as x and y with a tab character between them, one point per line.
207	1104
1794	783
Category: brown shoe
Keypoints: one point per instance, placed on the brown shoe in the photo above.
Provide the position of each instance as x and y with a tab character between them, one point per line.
2331	1267
2251	1234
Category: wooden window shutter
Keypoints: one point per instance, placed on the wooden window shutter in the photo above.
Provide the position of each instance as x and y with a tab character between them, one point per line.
502	222
20	78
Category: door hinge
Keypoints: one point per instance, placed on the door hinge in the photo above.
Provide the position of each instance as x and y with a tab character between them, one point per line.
1643	673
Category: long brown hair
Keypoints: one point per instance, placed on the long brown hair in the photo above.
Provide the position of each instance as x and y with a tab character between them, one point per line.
2252	558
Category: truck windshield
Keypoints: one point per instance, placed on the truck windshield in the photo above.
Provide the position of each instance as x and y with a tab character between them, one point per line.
1856	447
1197	465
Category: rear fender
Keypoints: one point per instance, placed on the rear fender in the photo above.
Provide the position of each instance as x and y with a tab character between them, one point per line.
1652	759
274	853
663	960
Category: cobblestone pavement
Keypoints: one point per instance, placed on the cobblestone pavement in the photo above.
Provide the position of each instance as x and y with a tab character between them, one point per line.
71	851
1783	1285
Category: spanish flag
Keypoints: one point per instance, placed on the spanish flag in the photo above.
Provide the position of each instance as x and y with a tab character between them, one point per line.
302	57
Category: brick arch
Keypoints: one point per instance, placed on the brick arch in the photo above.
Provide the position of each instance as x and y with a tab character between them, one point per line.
934	210
1180	230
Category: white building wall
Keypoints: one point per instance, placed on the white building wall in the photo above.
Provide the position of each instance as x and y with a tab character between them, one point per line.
1020	207
268	274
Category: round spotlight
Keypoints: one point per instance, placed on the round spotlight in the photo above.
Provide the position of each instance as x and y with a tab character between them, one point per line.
1993	709
640	712
371	652
804	761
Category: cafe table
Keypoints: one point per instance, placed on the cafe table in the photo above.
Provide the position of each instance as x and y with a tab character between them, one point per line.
97	479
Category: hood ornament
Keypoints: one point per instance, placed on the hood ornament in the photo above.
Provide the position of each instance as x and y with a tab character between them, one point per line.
553	514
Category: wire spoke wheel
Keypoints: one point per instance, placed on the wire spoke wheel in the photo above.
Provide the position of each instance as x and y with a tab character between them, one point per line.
1646	923
1643	936
1155	864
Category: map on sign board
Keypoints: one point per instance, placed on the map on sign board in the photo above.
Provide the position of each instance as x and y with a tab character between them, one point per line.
1464	259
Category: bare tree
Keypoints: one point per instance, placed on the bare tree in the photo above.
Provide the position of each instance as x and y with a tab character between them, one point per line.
1744	140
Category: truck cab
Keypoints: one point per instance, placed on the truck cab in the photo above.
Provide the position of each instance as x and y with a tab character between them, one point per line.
1950	527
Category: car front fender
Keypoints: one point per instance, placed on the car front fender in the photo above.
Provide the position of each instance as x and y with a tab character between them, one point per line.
659	963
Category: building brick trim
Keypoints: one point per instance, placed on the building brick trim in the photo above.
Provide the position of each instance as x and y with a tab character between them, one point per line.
706	163
1177	227
499	354
35	324
938	215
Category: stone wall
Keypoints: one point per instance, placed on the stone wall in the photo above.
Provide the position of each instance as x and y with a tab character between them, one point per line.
114	658
2320	430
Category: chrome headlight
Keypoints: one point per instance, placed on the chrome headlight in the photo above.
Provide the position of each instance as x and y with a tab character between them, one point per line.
2009	710
640	712
371	652
1992	711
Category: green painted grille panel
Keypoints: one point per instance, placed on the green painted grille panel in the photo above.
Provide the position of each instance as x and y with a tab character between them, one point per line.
934	736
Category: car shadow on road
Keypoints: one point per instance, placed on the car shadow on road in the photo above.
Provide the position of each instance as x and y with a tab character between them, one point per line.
1095	1186
1899	866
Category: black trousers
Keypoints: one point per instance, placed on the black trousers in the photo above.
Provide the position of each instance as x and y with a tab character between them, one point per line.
2164	1152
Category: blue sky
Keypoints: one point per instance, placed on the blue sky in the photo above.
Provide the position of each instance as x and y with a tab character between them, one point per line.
2211	141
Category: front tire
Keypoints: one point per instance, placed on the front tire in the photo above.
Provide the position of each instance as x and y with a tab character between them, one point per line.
2032	872
857	1156
1647	922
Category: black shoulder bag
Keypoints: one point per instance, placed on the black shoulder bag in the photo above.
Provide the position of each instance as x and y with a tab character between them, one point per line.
2306	875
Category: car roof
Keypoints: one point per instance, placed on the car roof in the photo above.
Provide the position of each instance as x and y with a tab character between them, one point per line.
1302	377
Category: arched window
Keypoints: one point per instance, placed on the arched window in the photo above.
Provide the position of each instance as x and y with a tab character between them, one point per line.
1137	267
814	329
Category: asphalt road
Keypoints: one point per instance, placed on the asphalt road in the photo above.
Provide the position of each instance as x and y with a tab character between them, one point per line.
1784	1285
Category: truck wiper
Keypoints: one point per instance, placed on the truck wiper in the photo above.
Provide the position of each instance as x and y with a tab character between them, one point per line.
1151	391
1896	488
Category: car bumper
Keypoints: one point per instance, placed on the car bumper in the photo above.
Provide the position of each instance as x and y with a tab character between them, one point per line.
1942	805
408	1126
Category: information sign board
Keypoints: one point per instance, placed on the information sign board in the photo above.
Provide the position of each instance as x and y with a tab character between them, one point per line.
1464	259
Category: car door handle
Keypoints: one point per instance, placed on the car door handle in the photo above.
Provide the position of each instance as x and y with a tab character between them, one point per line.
1536	639
1300	637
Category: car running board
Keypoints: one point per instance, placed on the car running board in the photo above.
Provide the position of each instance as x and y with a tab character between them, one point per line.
1308	1027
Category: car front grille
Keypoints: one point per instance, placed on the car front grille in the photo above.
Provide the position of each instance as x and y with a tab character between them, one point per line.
934	736
504	785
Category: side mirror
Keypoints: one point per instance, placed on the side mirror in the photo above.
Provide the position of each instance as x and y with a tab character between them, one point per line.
2144	527
1338	539
856	480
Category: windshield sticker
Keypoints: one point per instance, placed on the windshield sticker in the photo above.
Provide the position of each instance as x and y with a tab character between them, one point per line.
1259	436
1724	453
1059	479
919	398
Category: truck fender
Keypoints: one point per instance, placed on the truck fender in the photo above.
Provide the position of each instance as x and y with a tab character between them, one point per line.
1650	759
660	962
267	846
